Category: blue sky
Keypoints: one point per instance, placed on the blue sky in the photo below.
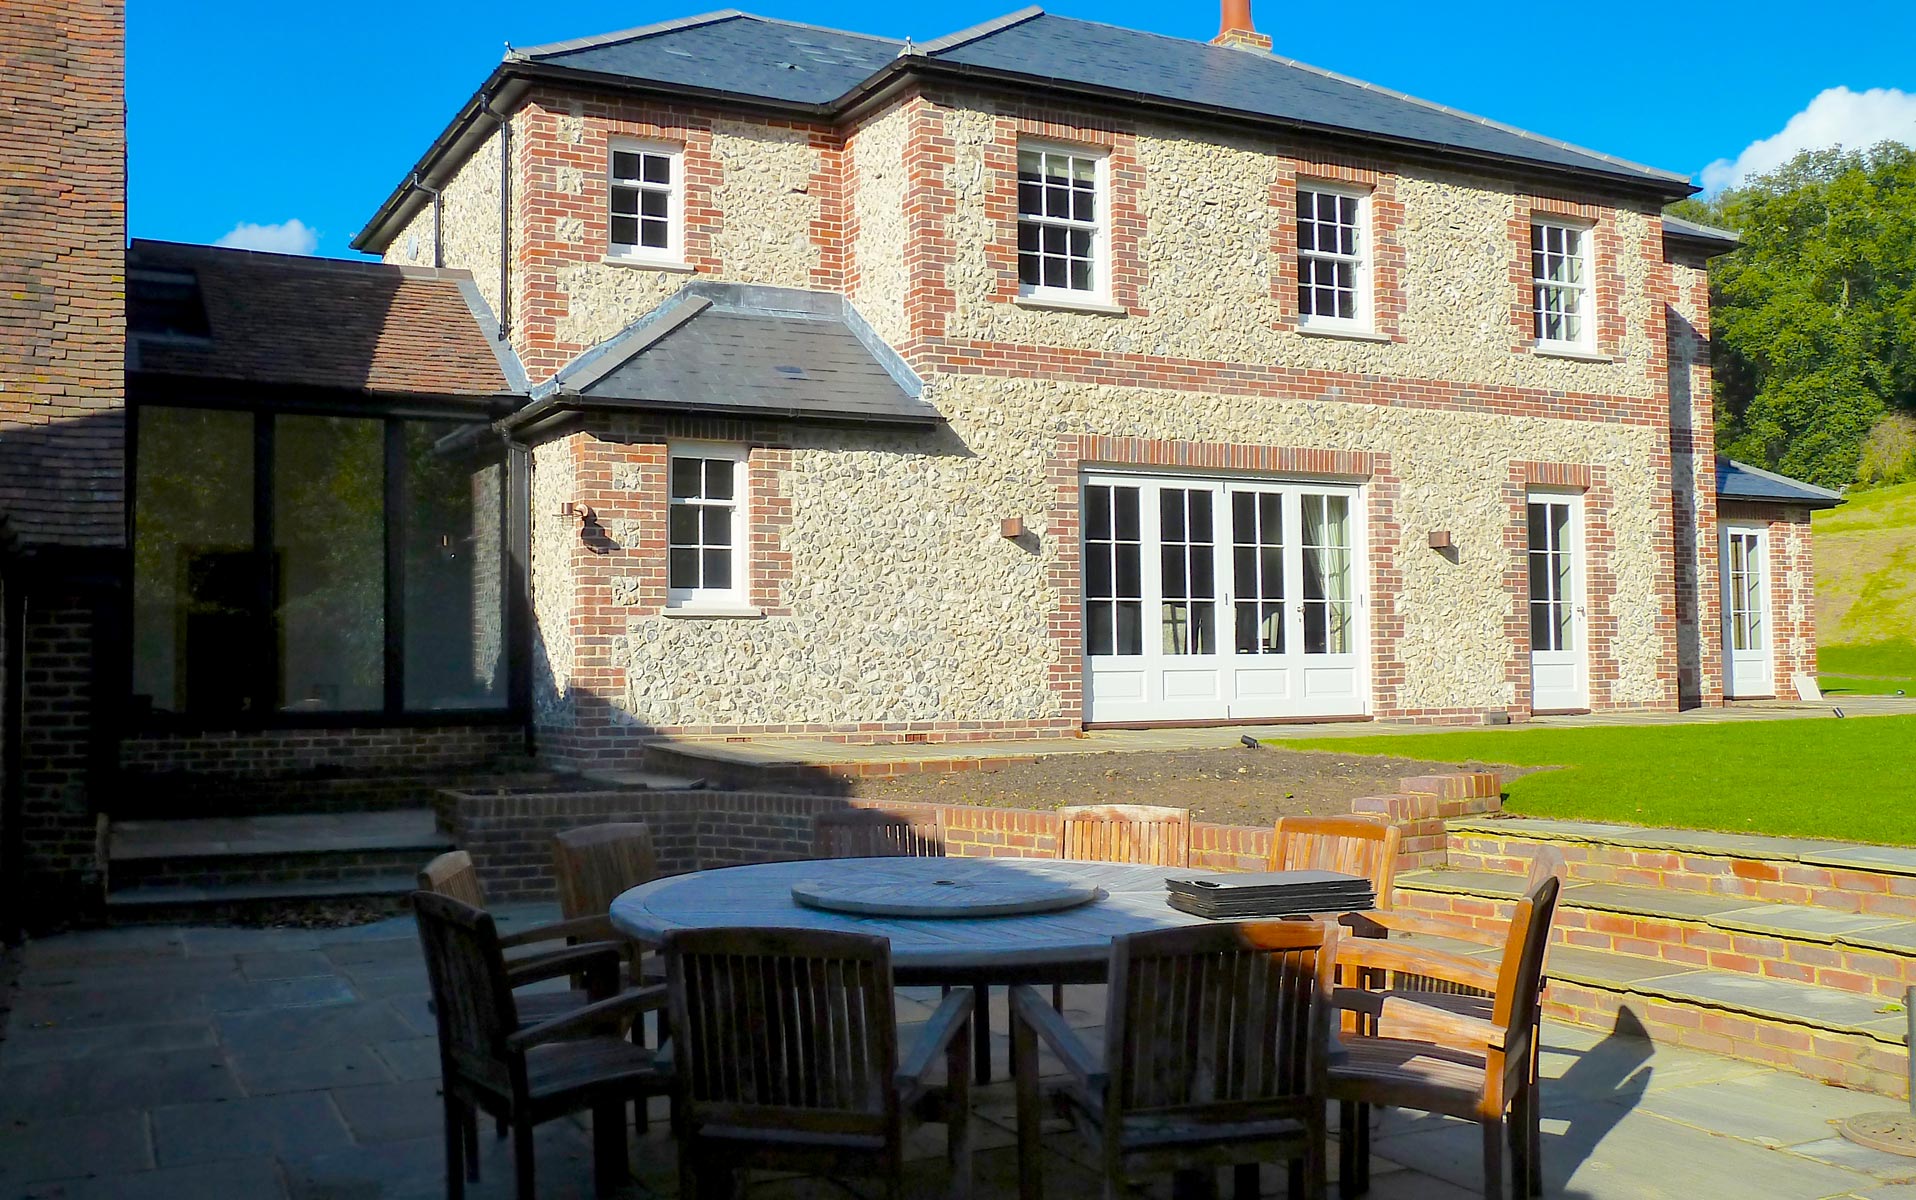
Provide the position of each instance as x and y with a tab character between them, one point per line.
262	114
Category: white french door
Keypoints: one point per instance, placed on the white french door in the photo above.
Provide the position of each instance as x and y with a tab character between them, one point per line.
1748	665
1559	671
1212	599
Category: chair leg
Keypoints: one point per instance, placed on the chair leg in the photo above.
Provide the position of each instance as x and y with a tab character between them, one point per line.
527	1187
1244	1181
958	1135
981	1031
1493	1160
1309	1175
1297	1176
1057	997
611	1164
1349	1145
470	1115
455	1149
1517	1135
1024	1042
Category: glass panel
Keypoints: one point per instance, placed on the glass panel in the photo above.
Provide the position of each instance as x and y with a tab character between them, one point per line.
658	168
196	581
455	649
718	569
1099	629
1127	513
1097	571
655	235
329	556
1113	578
686	477
625	164
684	524
1542	628
625	231
684	571
1097	512
625	202
1131	627
652	204
1130	570
718	525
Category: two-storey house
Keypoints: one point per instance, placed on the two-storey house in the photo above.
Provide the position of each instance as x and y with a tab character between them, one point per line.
1051	374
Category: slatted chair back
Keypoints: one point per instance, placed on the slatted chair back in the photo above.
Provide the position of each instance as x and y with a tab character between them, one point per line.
1151	834
1352	845
1547	861
791	1031
453	875
471	996
1218	1024
875	833
594	864
1520	976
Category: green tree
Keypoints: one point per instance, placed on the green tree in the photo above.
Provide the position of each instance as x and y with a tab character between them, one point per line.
1814	318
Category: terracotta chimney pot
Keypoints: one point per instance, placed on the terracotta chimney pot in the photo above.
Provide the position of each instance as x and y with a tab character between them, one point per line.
1235	28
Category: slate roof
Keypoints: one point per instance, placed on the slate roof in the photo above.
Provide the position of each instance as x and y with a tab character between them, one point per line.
240	316
1720	241
1741	481
747	350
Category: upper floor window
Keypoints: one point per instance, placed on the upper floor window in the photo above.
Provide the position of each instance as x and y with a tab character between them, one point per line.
1560	275
1333	257
706	527
646	187
1062	201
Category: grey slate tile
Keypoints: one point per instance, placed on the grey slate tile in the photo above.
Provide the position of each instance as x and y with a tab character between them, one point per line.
410	1058
311	991
26	1045
70	1147
111	1082
1801	921
299	1124
274	1030
250	1178
285	964
308	1067
391	1112
1891	860
1772	997
1770	1108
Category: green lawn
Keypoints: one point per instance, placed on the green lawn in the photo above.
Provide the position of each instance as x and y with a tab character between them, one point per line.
1852	780
1878	669
1866	593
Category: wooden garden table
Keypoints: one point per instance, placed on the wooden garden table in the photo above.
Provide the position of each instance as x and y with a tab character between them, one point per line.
1068	946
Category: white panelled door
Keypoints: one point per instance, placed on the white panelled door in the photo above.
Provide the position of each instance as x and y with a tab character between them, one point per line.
1210	599
1559	672
1748	666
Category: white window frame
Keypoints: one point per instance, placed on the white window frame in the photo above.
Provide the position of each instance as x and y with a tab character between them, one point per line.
673	252
737	597
1099	293
1362	261
1585	290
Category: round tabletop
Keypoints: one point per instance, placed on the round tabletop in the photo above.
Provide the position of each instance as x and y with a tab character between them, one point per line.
1065	946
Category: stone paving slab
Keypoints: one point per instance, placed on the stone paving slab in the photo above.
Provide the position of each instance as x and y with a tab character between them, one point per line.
295	833
302	1123
1782	1000
1804	923
1890	860
1683	841
64	1147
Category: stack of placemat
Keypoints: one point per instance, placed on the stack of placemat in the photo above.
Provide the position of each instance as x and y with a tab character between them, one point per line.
1270	894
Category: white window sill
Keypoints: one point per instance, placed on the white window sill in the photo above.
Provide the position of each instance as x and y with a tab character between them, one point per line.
708	610
650	264
1070	304
1351	335
1573	353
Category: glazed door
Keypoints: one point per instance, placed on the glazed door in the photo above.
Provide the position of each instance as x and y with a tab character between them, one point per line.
1558	672
1748	665
1220	600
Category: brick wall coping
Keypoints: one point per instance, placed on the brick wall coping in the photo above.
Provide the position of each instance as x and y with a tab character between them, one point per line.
1887	860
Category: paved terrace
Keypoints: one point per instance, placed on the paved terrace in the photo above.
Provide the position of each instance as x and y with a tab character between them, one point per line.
774	752
164	1062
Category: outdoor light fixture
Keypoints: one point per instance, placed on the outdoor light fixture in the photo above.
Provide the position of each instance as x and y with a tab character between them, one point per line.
1440	539
1012	527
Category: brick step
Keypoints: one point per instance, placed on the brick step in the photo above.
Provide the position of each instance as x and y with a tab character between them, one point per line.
1846	951
1844	877
184	794
243	901
1824	1033
292	850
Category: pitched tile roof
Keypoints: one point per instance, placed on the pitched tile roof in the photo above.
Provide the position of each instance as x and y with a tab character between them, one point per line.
1741	481
242	316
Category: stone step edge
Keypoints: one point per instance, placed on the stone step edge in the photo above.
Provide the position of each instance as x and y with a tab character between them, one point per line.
1481	887
1848	856
429	838
183	895
426	844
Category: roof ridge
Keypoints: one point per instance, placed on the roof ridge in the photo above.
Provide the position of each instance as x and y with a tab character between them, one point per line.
952	41
1352	80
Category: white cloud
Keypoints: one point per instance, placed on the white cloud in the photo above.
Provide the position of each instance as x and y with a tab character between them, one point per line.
287	237
1837	117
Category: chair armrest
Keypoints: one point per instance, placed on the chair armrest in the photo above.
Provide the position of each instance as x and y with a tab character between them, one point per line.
1398	1017
589	958
1027	1006
951	1019
606	1014
1378	955
1381	924
594	929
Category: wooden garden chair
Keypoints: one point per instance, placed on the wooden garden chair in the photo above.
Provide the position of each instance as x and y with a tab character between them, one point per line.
786	1049
1215	1052
875	833
1411	1053
1125	833
1546	863
527	1074
1352	845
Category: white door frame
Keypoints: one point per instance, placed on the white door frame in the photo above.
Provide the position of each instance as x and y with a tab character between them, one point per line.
1749	673
1153	686
1559	675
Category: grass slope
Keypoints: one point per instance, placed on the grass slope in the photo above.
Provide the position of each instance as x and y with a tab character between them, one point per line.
1818	777
1866	592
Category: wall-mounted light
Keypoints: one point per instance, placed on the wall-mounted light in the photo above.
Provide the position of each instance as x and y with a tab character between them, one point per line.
1440	539
573	509
1012	527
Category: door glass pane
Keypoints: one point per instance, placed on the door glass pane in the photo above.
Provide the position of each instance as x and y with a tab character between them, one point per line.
1187	579
1328	608
1257	549
454	533
329	562
1552	585
196	579
1113	575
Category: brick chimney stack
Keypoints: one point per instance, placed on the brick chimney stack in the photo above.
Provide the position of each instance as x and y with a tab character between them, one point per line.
1236	31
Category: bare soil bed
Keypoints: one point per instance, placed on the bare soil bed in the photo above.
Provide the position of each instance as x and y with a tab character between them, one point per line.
1231	787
